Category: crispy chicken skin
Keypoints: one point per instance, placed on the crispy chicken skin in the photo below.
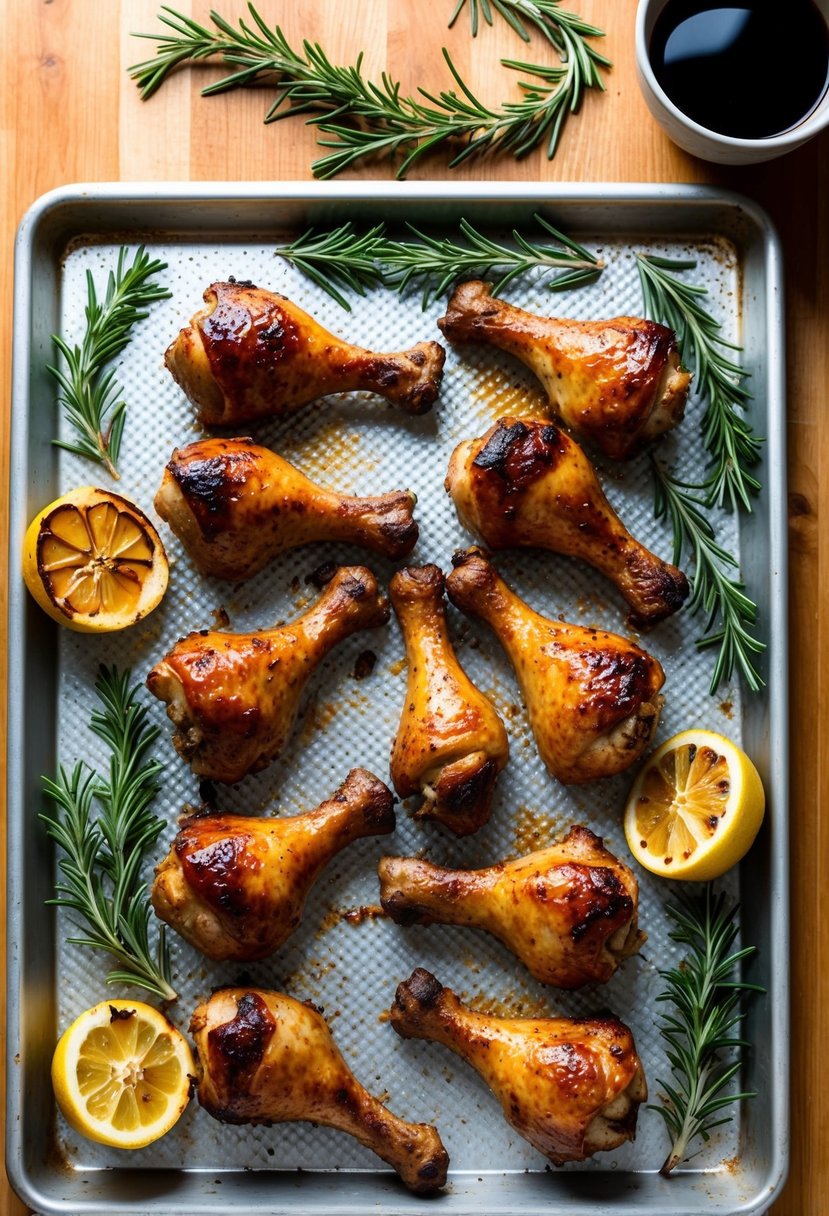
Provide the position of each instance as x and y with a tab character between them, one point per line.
525	483
235	885
592	697
254	354
235	505
263	1057
234	697
570	1087
569	912
618	383
451	743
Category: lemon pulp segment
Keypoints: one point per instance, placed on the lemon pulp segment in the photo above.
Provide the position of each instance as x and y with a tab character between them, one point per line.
682	801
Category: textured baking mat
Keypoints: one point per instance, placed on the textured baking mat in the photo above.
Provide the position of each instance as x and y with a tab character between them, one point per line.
351	965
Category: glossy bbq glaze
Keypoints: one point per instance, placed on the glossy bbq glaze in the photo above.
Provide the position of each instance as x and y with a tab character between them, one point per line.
568	912
450	744
236	505
264	1057
617	383
234	697
237	1048
592	697
254	354
526	483
570	1087
235	886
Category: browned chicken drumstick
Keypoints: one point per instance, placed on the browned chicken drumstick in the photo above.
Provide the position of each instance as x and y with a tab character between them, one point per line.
617	383
235	506
254	354
525	483
570	1087
450	743
263	1057
234	697
592	697
568	912
235	885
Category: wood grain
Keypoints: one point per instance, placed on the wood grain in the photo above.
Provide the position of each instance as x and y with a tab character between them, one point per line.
69	113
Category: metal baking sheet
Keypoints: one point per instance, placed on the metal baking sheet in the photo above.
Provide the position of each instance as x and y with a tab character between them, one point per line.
209	232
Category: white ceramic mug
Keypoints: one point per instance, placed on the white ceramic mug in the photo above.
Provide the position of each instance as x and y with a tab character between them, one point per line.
700	141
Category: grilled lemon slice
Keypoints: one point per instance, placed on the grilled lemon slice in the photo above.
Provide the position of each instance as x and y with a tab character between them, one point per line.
94	562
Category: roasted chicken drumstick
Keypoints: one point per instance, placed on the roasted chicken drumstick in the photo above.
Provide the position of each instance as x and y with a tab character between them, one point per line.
234	697
568	912
592	697
450	744
235	506
617	383
527	484
263	1057
254	354
235	885
572	1088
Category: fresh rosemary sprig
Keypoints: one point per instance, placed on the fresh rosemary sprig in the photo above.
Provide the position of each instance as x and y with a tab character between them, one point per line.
726	433
358	118
705	995
90	396
342	259
733	449
103	855
396	123
436	262
714	590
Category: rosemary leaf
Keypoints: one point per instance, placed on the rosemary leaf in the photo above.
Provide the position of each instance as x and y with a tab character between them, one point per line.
102	856
90	397
704	995
547	16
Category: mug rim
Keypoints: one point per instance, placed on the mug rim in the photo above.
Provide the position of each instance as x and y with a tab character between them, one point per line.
814	122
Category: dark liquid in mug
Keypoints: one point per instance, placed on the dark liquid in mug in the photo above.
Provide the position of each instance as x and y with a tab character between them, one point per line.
749	69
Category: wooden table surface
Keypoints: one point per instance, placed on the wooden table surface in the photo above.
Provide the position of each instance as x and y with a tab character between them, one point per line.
70	113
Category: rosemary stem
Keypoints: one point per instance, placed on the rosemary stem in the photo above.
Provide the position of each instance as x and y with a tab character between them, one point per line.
103	448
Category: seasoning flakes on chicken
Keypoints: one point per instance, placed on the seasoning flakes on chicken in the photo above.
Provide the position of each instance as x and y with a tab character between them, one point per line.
568	912
571	1087
592	697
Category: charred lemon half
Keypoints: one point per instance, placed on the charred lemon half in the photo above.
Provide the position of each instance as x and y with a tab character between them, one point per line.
94	562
